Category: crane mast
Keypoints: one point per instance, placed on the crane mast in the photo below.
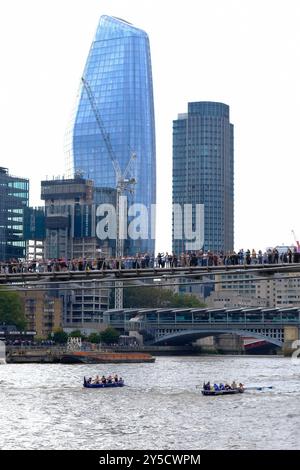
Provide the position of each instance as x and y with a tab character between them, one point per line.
297	241
122	184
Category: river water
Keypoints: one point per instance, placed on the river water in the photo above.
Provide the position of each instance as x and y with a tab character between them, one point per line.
45	406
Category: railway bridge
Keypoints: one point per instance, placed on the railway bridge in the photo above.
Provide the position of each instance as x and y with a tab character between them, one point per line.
169	326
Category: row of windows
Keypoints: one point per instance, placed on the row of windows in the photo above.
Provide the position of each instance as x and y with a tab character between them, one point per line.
109	71
116	48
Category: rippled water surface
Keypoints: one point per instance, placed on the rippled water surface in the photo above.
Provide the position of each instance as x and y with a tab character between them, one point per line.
45	406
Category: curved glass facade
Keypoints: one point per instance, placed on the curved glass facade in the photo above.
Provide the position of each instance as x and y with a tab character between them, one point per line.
118	71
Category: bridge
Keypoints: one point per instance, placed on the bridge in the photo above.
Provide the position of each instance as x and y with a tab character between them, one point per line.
168	326
42	275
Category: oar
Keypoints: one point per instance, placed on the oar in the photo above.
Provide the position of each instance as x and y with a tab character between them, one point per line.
258	388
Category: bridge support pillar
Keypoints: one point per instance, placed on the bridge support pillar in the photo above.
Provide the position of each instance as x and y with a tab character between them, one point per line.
291	334
223	344
229	343
206	345
138	336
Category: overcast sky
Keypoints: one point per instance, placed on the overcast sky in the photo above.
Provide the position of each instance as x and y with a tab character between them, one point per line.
245	53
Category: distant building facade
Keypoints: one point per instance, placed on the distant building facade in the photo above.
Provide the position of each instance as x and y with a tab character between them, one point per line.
242	290
279	291
84	304
43	312
14	198
203	164
227	299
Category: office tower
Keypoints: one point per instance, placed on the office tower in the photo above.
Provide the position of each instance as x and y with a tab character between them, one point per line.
70	234
118	72
14	197
70	218
203	172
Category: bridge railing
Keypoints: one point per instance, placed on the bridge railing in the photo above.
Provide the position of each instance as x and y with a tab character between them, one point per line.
10	275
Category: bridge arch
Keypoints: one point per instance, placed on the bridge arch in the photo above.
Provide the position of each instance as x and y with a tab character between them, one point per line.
181	336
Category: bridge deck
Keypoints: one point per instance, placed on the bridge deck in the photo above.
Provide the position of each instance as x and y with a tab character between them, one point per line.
62	276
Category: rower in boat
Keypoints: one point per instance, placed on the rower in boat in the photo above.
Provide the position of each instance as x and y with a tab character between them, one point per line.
206	386
102	383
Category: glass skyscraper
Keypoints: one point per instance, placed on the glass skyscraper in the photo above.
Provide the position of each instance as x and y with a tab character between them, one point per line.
118	72
203	171
14	197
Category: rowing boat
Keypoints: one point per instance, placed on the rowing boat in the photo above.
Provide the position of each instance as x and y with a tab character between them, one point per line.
86	384
211	393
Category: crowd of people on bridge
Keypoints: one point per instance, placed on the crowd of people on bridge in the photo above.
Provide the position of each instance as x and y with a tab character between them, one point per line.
161	261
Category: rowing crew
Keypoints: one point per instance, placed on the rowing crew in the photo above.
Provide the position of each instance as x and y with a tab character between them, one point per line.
216	387
104	380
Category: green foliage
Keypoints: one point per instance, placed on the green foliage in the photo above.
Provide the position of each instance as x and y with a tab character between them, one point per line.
156	297
60	337
38	339
94	338
109	335
76	334
186	300
11	309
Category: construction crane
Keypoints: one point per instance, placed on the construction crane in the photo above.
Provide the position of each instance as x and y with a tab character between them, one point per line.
123	183
297	241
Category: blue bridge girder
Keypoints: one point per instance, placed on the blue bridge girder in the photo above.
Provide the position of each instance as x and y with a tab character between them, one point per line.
274	336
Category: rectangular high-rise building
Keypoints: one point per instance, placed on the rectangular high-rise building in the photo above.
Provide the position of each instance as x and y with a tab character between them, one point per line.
203	162
14	197
70	234
70	218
